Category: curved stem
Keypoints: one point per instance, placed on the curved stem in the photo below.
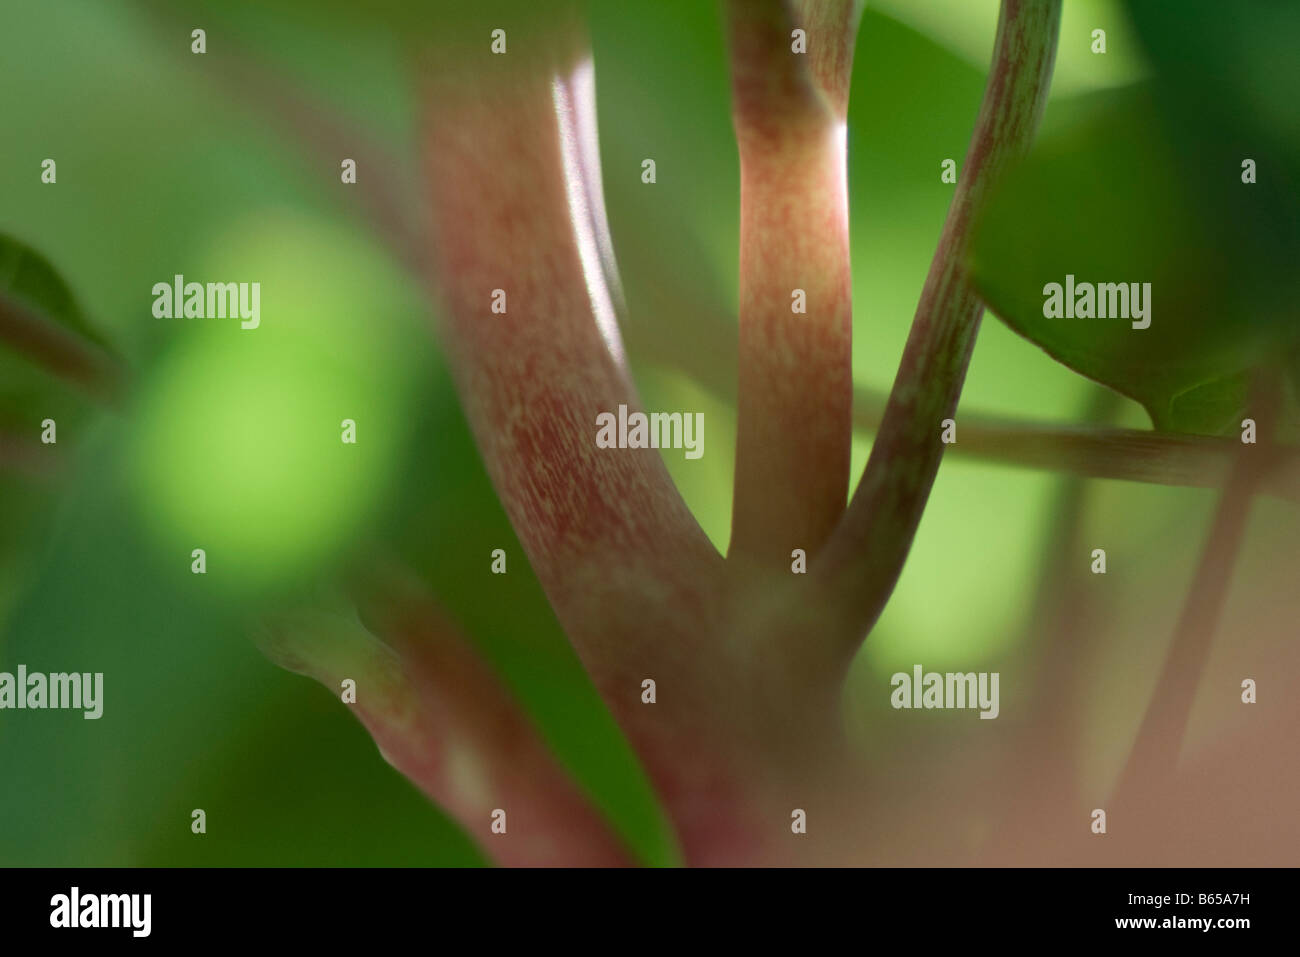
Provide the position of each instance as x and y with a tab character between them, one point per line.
866	553
639	589
441	717
622	559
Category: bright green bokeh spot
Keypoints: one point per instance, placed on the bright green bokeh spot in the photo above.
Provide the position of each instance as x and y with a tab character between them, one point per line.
240	447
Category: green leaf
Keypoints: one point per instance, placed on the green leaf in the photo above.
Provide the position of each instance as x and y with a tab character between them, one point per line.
1226	84
1108	199
45	343
1227	77
28	278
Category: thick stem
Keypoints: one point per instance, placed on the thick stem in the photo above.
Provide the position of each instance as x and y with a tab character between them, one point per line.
621	557
511	164
638	588
796	378
866	553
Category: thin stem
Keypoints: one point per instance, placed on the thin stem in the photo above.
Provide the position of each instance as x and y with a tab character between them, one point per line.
1155	751
1158	458
796	379
865	555
1158	741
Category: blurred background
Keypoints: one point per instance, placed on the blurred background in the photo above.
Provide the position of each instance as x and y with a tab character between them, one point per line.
225	167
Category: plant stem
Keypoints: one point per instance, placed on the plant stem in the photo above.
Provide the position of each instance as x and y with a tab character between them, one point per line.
1160	737
442	718
610	538
1154	756
637	586
1159	458
862	560
795	396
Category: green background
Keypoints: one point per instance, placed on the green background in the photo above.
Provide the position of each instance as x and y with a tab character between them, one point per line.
230	439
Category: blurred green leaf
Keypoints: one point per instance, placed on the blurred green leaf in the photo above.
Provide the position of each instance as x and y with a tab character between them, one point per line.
46	342
1226	85
1227	77
29	278
1153	190
1111	200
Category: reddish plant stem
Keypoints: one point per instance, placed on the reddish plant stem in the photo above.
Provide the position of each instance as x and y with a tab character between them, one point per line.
862	560
796	379
637	586
605	529
445	721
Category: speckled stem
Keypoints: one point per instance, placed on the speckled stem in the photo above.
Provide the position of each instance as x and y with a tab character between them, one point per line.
795	394
863	559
